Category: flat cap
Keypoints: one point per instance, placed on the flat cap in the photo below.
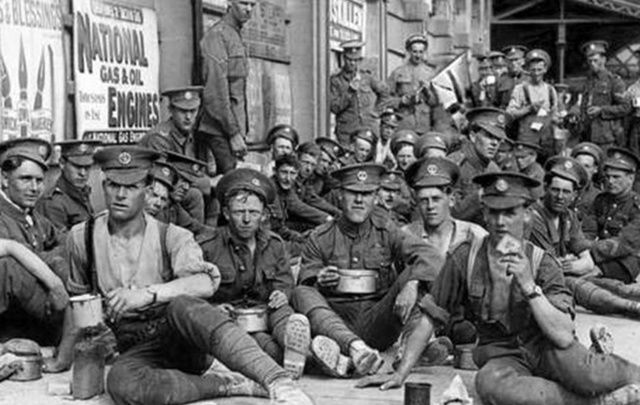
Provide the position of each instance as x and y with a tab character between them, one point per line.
392	180
402	137
245	179
504	190
283	131
352	49
432	172
415	38
79	152
35	149
594	47
568	168
527	146
126	164
538	55
492	120
514	51
366	134
330	146
186	97
188	168
364	177
622	159
389	117
164	173
431	139
588	148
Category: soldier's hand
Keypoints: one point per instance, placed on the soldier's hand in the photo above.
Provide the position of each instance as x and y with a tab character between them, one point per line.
406	100
384	381
328	277
405	301
122	300
226	308
354	84
277	299
238	146
594	111
518	266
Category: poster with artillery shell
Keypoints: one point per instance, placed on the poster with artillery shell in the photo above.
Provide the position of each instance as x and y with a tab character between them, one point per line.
116	64
32	75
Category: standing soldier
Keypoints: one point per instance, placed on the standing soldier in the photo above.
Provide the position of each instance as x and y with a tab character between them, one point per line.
515	62
355	96
416	105
486	126
604	104
589	156
67	202
224	124
484	91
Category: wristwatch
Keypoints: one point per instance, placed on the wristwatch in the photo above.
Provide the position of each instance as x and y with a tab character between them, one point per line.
536	292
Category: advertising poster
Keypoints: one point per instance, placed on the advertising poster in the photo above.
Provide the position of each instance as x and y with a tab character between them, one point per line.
32	76
346	21
116	64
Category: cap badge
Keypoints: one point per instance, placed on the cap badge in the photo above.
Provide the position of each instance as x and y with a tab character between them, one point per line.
83	147
166	171
255	182
432	170
42	150
188	95
500	119
568	165
437	139
361	176
617	156
124	158
196	168
501	185
392	177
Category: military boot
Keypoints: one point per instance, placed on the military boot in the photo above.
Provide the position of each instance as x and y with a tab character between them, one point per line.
297	342
327	354
366	360
235	384
628	291
285	392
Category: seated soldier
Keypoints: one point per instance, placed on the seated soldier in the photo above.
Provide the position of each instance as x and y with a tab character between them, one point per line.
32	303
616	211
309	154
254	265
351	328
431	144
515	295
331	151
299	215
153	278
589	155
191	172
283	140
388	201
433	180
526	154
363	147
556	229
403	145
67	202
505	158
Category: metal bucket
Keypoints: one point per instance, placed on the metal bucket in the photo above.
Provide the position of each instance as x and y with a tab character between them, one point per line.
86	310
251	319
357	281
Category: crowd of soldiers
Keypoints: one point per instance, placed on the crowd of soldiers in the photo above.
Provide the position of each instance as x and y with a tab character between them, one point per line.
483	231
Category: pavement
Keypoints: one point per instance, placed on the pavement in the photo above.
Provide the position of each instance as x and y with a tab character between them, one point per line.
327	391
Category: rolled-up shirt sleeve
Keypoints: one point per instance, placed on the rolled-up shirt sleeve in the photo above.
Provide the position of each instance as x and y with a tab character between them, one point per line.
551	280
186	255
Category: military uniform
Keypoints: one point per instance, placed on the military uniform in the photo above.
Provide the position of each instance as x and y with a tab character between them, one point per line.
65	205
166	137
412	81
484	92
607	91
225	71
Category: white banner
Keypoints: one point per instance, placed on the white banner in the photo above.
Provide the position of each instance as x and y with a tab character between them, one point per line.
116	63
32	76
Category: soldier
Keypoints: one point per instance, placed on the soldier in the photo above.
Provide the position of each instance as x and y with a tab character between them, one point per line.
191	172
515	295
32	301
504	82
556	229
390	201
432	144
604	104
225	66
67	202
526	155
176	134
355	96
533	106
283	140
388	125
515	62
505	158
484	91
255	269
308	156
330	151
616	211
158	198
351	328
486	126
417	106
589	156
363	147
403	148
153	279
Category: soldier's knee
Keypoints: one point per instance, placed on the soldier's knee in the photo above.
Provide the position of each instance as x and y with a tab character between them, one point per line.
123	384
304	299
490	383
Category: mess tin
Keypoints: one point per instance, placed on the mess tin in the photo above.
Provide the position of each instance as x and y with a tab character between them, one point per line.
30	357
358	281
251	319
86	310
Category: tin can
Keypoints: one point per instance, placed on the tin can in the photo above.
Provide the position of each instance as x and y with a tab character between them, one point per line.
417	393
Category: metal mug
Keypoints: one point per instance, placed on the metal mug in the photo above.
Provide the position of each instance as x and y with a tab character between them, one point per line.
86	310
417	393
357	281
251	319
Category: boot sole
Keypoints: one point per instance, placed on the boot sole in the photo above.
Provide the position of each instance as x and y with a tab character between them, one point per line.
297	340
327	353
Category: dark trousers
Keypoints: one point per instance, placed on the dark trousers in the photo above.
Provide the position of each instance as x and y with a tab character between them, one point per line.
24	306
272	342
167	369
371	320
545	375
219	145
